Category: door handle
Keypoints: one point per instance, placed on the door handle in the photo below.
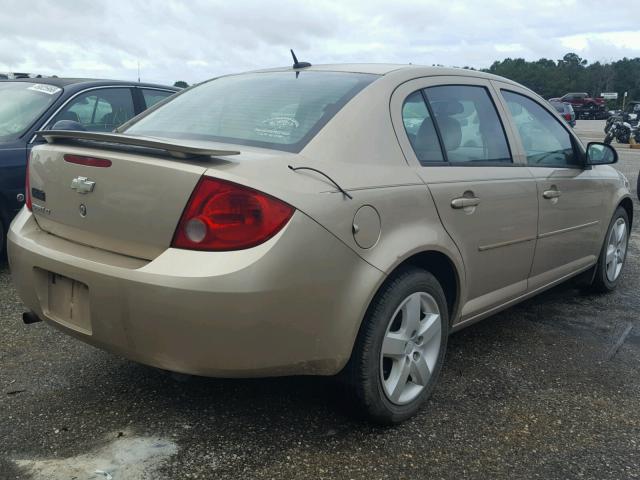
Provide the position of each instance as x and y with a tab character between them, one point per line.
464	202
548	194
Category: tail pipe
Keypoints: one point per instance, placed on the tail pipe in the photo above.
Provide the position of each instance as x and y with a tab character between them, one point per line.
29	317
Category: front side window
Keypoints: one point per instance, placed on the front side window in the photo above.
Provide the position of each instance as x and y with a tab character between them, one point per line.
421	130
21	104
101	110
278	110
546	142
468	123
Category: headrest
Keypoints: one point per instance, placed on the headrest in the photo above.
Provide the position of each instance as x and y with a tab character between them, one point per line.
515	108
447	107
451	132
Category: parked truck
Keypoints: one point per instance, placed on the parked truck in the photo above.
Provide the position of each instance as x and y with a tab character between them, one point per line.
586	107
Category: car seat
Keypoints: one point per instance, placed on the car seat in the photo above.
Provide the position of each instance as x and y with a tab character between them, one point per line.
68	115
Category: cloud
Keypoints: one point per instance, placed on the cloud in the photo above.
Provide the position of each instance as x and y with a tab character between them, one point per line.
194	40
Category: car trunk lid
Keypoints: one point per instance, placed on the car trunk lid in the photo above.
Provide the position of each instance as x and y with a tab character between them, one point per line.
130	203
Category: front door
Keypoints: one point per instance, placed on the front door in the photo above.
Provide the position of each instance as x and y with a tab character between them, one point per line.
570	196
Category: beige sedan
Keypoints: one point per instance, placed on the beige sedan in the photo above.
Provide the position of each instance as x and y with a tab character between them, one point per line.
340	219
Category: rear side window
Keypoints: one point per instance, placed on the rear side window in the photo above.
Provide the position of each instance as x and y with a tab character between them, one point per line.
545	141
151	97
101	110
468	124
421	130
278	110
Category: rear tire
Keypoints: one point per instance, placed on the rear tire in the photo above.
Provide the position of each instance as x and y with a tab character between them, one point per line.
613	253
400	348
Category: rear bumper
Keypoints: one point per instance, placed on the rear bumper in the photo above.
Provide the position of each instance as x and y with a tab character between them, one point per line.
290	306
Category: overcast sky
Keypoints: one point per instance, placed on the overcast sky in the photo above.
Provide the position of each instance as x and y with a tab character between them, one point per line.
194	40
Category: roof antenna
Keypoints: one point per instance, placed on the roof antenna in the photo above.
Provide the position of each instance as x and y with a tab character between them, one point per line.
297	64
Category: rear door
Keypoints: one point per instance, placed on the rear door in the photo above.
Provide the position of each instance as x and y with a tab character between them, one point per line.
570	197
450	128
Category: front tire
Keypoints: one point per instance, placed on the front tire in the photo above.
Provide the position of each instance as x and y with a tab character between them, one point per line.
613	253
400	348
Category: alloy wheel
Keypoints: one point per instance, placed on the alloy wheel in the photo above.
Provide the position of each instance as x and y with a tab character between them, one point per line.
410	348
616	249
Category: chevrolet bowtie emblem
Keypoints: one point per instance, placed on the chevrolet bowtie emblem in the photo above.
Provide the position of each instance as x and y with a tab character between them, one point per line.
82	185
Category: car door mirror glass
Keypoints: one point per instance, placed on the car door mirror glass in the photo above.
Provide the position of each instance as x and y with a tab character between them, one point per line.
68	125
601	154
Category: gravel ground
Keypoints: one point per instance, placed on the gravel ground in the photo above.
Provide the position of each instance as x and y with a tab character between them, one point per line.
548	389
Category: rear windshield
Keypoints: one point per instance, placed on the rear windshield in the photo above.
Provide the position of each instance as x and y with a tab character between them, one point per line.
278	110
21	104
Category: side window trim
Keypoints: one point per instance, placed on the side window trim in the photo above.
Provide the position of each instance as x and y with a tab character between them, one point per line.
576	150
139	105
443	150
423	163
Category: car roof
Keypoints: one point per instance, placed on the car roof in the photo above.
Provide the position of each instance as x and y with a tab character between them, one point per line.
407	71
84	82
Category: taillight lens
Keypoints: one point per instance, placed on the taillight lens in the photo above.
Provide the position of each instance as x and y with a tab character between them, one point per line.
27	186
223	215
567	117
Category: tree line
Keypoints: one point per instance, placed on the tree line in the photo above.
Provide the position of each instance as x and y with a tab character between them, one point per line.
550	78
554	78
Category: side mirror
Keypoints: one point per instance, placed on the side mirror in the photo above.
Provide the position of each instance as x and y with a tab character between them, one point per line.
68	125
601	154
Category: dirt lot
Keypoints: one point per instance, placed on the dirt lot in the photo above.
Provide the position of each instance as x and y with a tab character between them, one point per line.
548	389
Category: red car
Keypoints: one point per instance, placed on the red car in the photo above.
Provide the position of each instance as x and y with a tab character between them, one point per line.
584	105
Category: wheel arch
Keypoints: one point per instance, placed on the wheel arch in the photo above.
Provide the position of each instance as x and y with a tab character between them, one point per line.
627	204
440	265
444	269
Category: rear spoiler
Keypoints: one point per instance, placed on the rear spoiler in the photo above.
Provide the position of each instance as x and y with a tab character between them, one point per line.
175	149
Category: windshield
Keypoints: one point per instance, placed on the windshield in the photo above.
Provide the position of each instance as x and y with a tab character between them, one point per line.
278	110
21	104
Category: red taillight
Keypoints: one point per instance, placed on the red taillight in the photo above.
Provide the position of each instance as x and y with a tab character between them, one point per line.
88	161
223	215
567	117
27	186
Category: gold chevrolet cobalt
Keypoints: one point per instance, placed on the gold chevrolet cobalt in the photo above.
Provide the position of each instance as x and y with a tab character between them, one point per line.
316	220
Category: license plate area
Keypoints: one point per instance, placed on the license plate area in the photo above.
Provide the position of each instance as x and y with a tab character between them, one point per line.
67	302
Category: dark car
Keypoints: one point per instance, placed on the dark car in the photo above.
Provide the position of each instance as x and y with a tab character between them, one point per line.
28	105
566	111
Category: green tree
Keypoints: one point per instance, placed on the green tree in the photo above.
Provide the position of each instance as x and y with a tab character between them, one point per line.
572	73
